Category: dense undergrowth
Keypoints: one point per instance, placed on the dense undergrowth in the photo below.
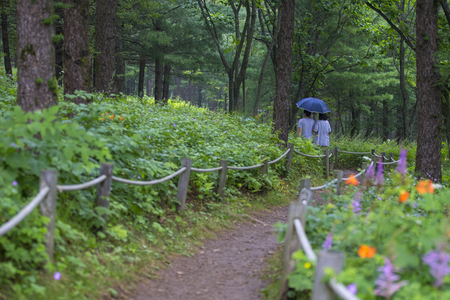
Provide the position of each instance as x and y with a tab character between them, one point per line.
143	141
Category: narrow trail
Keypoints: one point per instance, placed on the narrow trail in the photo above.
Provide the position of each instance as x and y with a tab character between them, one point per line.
226	268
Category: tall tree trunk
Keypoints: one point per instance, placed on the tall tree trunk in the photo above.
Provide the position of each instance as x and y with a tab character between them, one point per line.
244	95
119	77
404	90
133	86
283	74
38	88
5	39
105	43
200	100
177	80
158	80
59	59
77	55
141	76
166	83
428	158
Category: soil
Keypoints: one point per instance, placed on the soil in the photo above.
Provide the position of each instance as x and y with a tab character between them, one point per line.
227	268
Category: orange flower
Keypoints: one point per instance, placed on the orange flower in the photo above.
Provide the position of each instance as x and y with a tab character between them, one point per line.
366	251
256	116
121	118
403	196
352	180
102	119
425	186
106	112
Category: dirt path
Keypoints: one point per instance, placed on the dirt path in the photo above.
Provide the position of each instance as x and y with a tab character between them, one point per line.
227	268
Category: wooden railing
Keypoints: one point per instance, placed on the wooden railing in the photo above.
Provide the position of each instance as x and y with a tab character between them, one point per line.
47	196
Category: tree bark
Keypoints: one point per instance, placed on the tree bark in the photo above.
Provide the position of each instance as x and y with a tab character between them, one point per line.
428	158
283	74
77	55
141	76
5	39
38	88
119	77
446	115
166	82
158	80
105	37
59	59
384	122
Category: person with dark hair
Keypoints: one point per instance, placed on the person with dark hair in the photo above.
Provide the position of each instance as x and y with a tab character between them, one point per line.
323	129
305	125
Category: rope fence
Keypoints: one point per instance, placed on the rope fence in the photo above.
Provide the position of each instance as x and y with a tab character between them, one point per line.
47	195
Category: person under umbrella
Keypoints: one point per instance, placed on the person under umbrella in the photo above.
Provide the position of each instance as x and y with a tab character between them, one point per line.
305	125
323	129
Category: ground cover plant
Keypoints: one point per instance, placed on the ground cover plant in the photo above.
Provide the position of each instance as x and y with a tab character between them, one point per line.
144	141
394	230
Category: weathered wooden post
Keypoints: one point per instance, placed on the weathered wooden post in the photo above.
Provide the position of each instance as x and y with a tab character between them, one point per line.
222	178
326	259
305	183
373	151
326	162
265	167
375	162
289	157
47	207
183	183
291	244
336	152
383	155
391	156
338	174
104	188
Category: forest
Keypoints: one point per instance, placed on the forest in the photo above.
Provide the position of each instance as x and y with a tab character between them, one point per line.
143	84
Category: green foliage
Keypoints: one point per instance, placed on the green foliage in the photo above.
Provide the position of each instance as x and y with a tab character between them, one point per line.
400	231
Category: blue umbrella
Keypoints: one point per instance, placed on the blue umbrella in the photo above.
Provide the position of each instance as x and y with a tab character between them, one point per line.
313	105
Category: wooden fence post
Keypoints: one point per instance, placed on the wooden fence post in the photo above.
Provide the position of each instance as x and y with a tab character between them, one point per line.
47	207
326	259
326	162
265	167
336	152
390	156
373	151
289	157
222	178
375	162
338	174
183	183
306	195
305	183
291	244
104	188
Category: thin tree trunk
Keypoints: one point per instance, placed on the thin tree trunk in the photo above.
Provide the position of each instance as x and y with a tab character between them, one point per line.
158	80
384	123
200	100
244	95
77	55
119	77
428	158
105	40
446	115
283	74
166	83
59	59
5	39
141	76
405	94
38	88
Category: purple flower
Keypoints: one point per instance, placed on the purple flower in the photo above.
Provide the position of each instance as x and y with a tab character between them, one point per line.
173	124
13	145
57	276
386	284
380	175
139	177
401	166
370	174
14	183
328	241
356	205
352	288
438	262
